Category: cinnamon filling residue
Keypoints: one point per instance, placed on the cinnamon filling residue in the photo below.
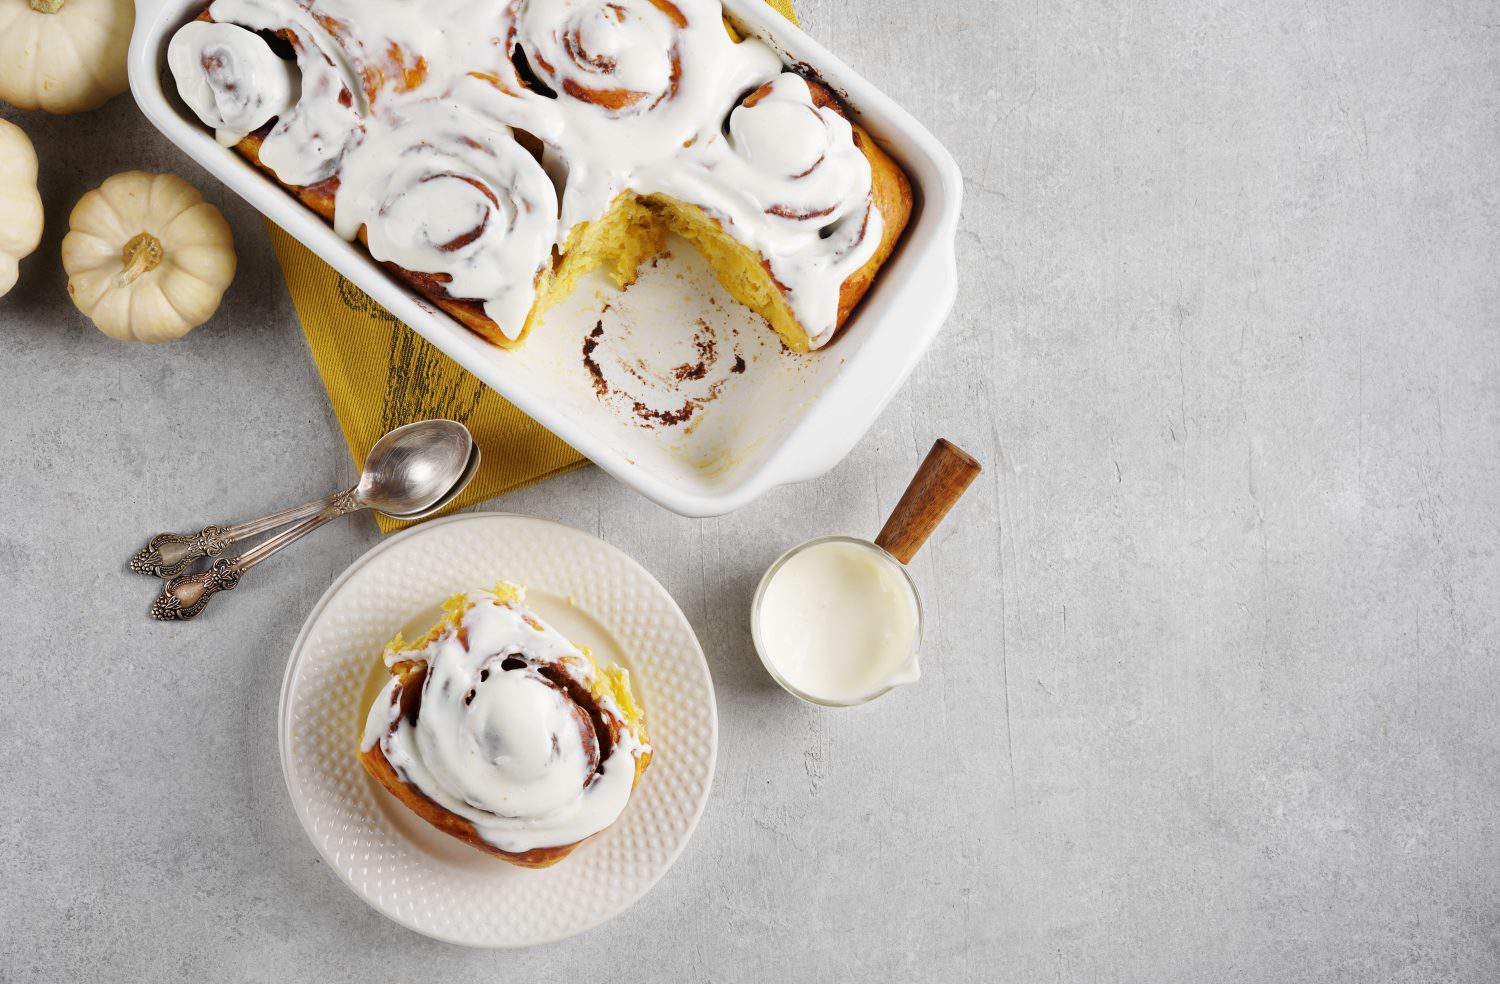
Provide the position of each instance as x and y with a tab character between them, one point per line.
591	342
629	382
708	349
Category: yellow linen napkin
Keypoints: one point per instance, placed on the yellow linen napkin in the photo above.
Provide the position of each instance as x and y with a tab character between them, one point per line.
380	374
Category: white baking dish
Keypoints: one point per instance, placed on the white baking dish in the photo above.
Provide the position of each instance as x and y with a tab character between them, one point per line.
786	419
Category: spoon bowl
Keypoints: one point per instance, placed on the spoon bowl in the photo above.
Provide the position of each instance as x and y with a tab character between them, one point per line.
418	468
470	468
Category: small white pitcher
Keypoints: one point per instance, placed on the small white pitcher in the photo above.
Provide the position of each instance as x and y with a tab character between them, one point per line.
945	474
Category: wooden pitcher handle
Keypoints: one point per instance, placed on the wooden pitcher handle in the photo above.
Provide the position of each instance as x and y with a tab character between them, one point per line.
943	477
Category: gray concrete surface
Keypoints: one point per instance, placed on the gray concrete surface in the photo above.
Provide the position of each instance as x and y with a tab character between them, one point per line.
1211	685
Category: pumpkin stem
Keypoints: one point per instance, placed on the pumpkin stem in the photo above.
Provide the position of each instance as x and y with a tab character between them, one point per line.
141	255
46	6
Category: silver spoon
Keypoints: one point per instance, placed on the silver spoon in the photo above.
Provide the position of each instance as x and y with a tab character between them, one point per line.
411	472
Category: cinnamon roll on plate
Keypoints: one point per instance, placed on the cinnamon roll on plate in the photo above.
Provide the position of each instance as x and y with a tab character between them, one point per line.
492	152
497	730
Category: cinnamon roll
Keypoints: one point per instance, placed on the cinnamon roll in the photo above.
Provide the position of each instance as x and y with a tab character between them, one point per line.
622	56
441	190
786	178
497	730
310	136
230	77
411	125
614	86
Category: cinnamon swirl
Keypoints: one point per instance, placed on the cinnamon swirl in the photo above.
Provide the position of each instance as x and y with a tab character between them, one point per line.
497	730
491	152
231	78
441	193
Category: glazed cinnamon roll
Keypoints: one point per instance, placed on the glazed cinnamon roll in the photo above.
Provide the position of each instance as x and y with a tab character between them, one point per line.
498	731
623	56
413	125
795	158
309	138
441	190
614	86
786	177
231	78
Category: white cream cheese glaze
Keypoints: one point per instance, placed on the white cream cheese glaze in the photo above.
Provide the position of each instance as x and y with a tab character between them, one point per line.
498	740
787	180
230	78
644	96
308	142
446	191
633	82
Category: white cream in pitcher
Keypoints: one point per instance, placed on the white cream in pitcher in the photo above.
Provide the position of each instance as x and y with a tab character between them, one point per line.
838	620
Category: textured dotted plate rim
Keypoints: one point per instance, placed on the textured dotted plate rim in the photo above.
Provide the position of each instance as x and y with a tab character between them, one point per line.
688	654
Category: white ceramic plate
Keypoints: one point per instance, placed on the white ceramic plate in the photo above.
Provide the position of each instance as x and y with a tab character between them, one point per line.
426	880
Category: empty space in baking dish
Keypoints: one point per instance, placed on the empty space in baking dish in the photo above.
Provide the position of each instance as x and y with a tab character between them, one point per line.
697	386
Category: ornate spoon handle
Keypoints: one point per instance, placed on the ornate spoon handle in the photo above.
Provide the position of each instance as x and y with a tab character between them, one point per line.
167	555
188	594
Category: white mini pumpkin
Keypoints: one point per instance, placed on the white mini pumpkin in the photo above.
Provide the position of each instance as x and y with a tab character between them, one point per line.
64	56
20	205
147	258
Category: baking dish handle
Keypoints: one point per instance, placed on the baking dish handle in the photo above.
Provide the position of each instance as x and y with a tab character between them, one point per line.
826	439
